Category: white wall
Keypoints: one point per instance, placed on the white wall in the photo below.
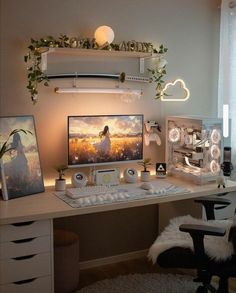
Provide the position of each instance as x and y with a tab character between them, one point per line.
189	28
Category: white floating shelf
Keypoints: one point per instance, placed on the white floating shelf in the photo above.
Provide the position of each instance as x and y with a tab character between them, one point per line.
95	53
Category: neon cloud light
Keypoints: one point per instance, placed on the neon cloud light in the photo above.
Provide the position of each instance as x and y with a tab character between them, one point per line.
182	85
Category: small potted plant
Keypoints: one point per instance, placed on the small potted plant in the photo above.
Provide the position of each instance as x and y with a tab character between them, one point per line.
145	174
60	182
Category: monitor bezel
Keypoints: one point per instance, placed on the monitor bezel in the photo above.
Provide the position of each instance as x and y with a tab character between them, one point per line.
103	163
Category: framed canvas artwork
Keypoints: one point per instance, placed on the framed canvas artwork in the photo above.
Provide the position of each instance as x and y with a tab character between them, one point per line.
21	173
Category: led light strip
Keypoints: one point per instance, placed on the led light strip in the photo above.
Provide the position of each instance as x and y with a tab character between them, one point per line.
78	90
225	120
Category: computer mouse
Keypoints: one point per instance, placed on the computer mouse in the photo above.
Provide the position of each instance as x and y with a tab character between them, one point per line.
147	186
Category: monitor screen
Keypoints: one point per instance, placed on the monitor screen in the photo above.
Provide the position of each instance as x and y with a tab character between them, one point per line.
104	139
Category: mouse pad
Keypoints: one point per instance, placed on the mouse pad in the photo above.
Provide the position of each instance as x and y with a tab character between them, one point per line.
125	193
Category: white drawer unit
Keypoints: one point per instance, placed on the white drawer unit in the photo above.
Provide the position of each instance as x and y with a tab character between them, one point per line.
36	285
24	230
24	267
24	247
26	257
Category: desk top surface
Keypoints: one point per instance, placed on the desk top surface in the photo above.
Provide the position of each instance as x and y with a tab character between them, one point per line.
46	205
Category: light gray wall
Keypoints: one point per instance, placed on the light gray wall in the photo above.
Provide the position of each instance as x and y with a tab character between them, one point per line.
189	28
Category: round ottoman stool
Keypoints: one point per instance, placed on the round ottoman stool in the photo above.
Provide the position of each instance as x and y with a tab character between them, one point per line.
66	261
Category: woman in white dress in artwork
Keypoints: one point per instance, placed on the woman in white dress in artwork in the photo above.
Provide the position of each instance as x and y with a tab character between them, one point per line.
17	170
104	146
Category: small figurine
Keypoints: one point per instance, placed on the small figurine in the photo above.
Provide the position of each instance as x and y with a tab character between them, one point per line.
220	180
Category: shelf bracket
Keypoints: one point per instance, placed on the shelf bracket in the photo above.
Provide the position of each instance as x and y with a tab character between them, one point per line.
44	61
141	65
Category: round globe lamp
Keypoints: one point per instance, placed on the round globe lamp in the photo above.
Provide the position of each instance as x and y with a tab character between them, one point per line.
104	34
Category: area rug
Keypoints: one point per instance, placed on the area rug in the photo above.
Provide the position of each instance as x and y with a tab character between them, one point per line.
144	283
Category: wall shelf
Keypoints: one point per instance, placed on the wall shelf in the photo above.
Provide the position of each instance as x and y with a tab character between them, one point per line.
95	53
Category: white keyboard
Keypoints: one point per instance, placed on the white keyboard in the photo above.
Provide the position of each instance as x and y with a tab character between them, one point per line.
85	191
100	195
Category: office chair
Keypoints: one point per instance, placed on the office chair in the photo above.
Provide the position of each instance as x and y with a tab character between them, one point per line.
171	253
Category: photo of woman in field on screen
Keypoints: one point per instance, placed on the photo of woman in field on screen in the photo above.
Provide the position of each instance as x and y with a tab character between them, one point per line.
104	139
104	146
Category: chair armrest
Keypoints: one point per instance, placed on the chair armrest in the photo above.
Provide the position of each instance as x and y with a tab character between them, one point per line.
202	230
209	205
197	233
215	200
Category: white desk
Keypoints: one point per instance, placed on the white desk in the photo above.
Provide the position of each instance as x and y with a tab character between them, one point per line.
47	206
42	209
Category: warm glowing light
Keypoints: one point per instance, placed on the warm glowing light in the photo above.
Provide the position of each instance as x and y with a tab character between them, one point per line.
215	136
215	151
153	172
182	85
79	90
214	167
49	183
225	120
104	34
174	134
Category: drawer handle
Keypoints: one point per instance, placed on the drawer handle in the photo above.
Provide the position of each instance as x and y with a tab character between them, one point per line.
24	257
24	240
23	224
24	281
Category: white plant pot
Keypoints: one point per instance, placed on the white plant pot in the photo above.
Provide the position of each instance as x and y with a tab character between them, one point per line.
60	184
145	176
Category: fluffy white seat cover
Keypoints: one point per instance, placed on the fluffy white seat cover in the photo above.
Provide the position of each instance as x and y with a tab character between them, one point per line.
217	248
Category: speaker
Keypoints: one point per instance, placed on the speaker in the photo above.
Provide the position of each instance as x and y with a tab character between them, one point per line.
130	175
227	166
79	179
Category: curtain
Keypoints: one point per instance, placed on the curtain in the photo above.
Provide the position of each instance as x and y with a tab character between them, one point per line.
227	67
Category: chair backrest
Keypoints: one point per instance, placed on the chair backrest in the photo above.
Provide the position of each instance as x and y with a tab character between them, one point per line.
232	233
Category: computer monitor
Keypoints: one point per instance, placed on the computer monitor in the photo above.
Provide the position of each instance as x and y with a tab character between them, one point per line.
104	139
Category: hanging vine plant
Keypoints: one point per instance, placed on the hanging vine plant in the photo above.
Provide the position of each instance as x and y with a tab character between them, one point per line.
158	73
34	58
37	76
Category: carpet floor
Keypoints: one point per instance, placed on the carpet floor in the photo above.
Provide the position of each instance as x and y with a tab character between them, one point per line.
144	283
